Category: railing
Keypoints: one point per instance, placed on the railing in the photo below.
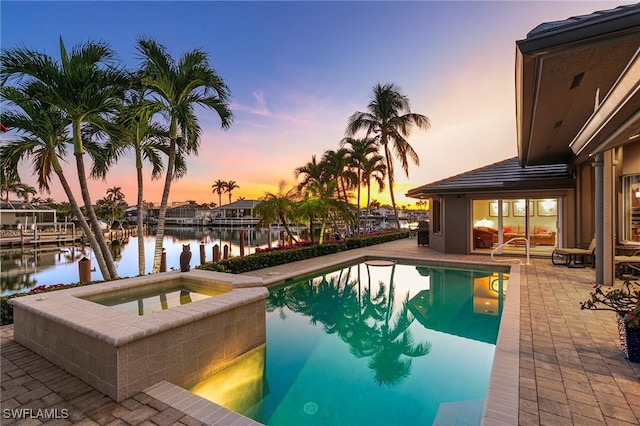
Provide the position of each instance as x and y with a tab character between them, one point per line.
509	242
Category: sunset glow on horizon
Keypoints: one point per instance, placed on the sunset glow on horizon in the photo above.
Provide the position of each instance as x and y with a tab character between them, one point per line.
298	70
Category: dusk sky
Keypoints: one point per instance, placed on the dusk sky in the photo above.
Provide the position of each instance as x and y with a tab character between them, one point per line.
298	70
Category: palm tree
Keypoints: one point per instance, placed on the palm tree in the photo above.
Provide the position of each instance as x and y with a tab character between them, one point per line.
229	187
390	120
8	183
116	199
336	165
321	200
44	140
24	191
84	84
138	132
311	172
280	206
180	87
358	153
218	188
373	168
115	194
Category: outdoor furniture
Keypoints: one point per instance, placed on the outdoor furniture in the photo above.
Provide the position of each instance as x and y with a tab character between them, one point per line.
579	257
484	237
423	233
627	265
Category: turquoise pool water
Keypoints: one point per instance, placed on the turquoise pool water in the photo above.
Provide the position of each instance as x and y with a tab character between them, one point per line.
371	345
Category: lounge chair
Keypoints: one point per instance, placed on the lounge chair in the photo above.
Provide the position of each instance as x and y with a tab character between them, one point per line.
578	256
627	265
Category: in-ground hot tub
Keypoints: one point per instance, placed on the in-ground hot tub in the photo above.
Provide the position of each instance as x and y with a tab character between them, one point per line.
121	353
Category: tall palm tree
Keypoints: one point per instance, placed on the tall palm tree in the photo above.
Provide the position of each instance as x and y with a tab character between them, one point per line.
389	120
358	151
218	188
44	138
336	165
280	206
136	131
87	86
180	87
229	187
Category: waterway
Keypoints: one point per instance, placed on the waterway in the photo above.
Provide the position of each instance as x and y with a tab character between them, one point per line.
22	271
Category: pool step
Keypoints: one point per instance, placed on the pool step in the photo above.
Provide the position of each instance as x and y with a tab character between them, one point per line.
460	413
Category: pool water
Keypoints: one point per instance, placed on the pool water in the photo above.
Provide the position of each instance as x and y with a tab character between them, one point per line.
376	345
156	300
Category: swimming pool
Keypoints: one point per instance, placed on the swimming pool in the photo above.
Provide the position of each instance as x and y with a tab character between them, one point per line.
365	344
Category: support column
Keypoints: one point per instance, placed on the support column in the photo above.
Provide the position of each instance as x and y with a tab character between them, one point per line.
604	217
608	218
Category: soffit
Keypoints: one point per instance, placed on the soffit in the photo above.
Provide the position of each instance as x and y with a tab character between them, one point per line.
559	70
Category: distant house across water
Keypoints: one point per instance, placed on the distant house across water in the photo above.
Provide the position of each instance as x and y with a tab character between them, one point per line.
19	213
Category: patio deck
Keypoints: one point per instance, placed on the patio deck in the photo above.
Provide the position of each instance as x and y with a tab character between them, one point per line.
569	368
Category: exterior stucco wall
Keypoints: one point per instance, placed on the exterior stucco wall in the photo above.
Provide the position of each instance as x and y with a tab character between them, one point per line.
585	202
456	224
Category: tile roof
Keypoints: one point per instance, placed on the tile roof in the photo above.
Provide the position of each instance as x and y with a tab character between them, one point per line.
504	175
582	20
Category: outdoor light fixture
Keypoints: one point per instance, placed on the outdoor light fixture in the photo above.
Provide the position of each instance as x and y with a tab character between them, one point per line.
638	192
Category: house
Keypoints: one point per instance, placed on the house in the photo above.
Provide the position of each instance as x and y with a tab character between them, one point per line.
577	173
13	213
188	215
238	213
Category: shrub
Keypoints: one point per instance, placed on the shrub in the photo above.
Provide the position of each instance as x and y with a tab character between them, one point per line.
278	256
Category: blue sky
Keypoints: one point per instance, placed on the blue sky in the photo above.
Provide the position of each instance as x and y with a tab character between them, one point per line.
298	70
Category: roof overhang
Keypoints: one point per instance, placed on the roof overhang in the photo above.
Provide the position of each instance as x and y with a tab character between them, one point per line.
504	177
616	121
561	70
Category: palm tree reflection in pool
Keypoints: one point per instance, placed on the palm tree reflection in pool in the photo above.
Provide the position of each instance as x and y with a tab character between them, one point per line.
366	321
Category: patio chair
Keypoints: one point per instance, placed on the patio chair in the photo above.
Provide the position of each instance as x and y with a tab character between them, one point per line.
627	265
579	257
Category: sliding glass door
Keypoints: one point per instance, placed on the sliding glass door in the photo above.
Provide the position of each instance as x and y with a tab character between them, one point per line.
512	221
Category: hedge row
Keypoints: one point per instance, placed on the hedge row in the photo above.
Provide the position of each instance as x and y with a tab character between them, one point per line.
236	265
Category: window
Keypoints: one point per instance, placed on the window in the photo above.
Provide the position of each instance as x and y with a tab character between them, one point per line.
436	215
631	207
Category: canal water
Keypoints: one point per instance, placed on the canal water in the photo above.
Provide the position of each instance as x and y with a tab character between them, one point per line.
22	271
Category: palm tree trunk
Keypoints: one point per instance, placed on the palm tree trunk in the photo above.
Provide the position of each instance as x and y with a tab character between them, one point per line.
323	226
157	252
93	220
139	224
283	219
368	202
387	154
93	243
358	207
